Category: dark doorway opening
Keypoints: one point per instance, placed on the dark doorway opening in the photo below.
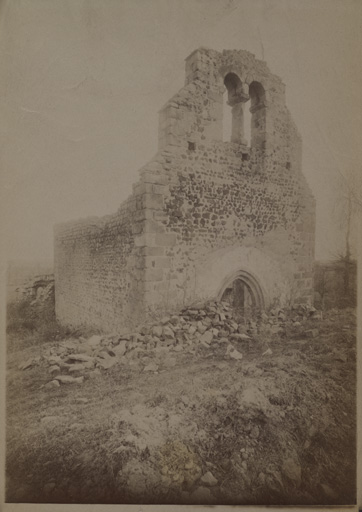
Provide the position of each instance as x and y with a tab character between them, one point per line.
245	298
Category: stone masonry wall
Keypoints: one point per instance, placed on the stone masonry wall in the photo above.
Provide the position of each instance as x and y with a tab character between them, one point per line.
97	283
202	210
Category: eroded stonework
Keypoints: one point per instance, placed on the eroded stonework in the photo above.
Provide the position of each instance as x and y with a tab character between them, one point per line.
203	212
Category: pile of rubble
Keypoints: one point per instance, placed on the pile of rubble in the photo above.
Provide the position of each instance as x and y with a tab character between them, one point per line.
206	326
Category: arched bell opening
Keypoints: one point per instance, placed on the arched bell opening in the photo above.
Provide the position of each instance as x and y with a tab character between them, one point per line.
233	111
244	112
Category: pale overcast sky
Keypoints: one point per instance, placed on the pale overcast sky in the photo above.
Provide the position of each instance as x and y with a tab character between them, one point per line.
82	82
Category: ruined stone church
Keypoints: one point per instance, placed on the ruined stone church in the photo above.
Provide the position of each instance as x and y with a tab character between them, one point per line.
208	218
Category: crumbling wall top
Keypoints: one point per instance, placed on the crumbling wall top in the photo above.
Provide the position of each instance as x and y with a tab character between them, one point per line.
212	66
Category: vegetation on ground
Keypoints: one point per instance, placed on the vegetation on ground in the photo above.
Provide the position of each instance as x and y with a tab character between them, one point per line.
275	427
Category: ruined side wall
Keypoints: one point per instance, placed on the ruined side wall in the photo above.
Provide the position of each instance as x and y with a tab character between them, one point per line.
97	283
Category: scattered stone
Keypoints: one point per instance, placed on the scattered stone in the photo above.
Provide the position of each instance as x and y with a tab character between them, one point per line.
151	368
209	479
76	426
94	340
54	369
84	348
125	336
81	400
49	487
201	495
175	319
52	384
168	332
78	357
68	379
261	478
207	337
328	492
268	352
103	354
76	368
233	353
255	432
225	464
64	365
169	362
53	360
28	364
120	349
234	325
312	333
293	471
157	330
185	400
192	329
201	327
339	356
276	329
94	374
253	397
240	337
49	419
107	363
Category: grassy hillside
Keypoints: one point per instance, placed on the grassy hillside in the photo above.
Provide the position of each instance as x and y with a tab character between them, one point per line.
258	413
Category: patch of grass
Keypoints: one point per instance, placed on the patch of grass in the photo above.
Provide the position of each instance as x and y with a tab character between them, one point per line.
29	323
300	404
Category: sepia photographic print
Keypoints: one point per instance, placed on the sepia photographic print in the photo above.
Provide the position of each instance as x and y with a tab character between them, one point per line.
181	197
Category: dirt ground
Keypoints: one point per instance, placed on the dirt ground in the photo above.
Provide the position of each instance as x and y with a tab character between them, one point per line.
196	424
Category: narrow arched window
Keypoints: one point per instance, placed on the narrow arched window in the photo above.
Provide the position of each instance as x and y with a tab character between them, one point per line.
236	98
258	114
245	122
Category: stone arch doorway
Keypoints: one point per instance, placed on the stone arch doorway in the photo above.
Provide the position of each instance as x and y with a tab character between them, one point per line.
260	269
243	292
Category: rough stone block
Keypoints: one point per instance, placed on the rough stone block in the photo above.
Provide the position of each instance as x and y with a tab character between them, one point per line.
153	201
153	177
159	189
150	226
153	274
165	240
142	188
145	240
152	251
